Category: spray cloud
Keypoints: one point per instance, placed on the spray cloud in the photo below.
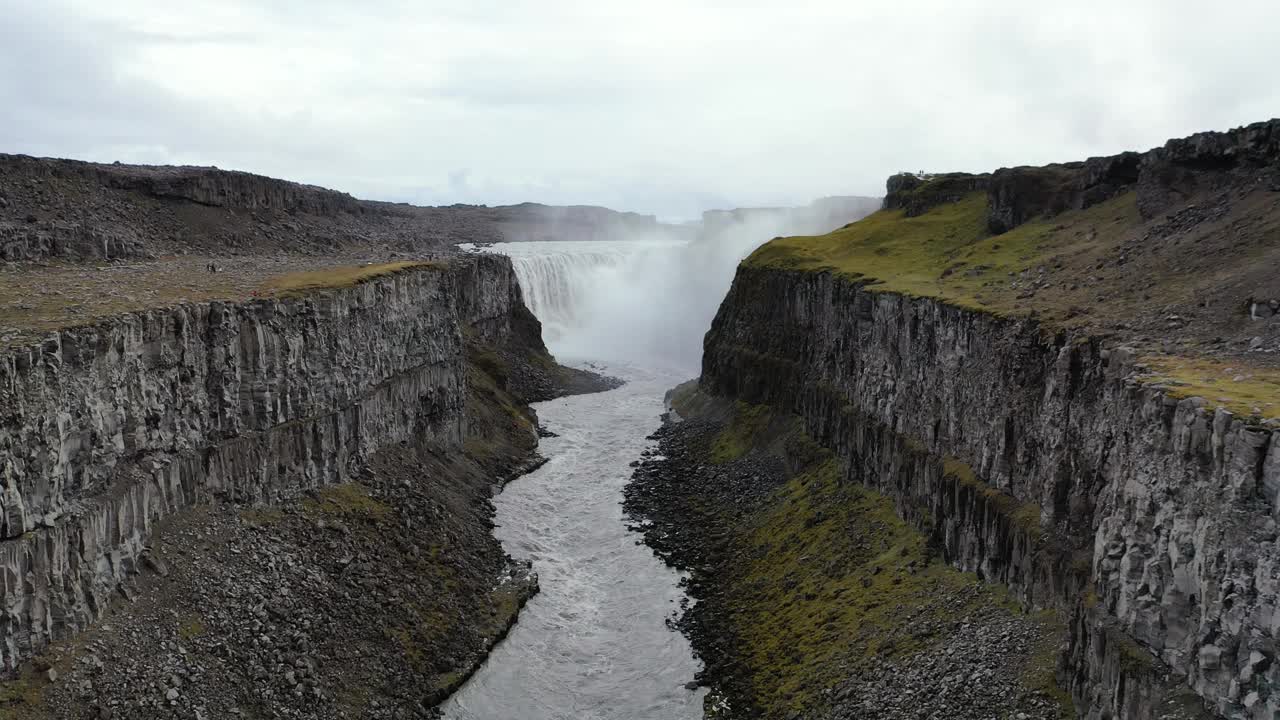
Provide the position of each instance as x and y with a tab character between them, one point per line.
648	296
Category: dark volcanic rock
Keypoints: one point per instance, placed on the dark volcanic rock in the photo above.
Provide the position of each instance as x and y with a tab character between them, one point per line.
319	547
81	210
1211	161
1208	161
1019	194
35	240
1102	474
916	195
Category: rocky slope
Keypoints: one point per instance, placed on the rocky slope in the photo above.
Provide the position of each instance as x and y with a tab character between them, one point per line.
1115	465
72	210
240	466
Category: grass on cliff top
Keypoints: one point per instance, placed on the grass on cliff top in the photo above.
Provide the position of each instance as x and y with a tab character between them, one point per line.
1231	385
295	284
947	252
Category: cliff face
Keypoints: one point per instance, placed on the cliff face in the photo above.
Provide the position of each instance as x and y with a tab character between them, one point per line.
33	242
230	189
1162	177
1037	460
105	430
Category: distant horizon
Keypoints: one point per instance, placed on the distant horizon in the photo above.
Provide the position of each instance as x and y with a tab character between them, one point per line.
659	218
664	108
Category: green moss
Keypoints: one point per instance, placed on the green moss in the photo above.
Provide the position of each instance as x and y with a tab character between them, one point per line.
741	434
295	284
446	682
192	626
826	578
262	517
1134	659
409	646
1024	516
22	698
947	252
903	254
1041	672
348	500
835	578
488	362
479	449
1245	391
1082	562
914	445
353	699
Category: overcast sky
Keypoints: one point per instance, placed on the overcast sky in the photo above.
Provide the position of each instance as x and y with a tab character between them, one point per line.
659	106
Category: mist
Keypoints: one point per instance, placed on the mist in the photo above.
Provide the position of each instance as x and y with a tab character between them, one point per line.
649	297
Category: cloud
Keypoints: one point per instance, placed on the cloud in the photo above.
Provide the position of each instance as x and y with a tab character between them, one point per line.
656	106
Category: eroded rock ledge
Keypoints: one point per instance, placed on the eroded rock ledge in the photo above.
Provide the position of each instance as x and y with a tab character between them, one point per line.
1036	459
1162	178
107	430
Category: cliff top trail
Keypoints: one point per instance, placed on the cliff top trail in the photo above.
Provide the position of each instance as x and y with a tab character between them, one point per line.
1172	252
82	241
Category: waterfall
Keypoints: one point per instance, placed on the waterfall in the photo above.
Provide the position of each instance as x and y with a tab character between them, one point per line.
648	301
560	280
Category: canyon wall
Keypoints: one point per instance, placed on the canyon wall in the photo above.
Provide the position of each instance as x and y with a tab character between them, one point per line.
1037	460
107	429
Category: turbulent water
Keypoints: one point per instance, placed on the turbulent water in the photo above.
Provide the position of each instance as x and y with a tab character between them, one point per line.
593	644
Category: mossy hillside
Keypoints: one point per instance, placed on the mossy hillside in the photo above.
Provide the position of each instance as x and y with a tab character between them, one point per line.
296	284
494	416
835	580
1041	671
745	428
825	578
949	254
348	501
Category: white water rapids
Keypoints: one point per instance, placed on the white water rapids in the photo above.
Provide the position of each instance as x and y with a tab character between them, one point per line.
593	643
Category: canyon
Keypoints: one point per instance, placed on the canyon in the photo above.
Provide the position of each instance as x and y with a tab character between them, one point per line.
1112	466
1002	445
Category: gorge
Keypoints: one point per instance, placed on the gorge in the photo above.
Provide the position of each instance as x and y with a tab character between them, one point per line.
1008	446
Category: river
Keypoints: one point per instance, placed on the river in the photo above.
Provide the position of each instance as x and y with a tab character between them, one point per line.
594	643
